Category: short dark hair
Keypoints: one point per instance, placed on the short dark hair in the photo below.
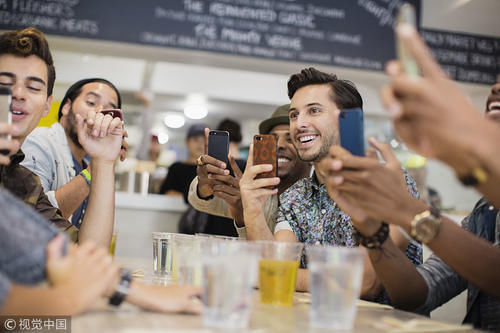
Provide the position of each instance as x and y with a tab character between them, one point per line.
233	128
344	92
27	42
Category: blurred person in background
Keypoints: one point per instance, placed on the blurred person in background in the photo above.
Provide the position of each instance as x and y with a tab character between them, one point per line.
416	166
235	136
180	174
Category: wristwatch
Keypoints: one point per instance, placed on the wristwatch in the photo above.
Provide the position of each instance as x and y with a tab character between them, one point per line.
425	226
122	289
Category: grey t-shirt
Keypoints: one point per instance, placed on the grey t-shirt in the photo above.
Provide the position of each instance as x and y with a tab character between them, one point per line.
24	235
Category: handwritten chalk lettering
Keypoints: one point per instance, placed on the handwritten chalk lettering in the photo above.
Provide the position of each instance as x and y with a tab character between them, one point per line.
286	54
264	52
432	39
233	35
451	71
197	18
149	37
451	57
285	42
206	31
227	22
284	30
345	38
357	62
79	26
42	8
484	45
193	6
297	19
187	41
313	34
263	4
315	57
291	7
333	13
384	15
475	76
221	9
482	60
176	15
24	20
250	25
461	42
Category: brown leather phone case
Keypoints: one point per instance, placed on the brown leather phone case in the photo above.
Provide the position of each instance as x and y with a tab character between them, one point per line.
265	152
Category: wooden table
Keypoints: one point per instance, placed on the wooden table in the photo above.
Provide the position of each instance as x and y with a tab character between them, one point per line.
265	318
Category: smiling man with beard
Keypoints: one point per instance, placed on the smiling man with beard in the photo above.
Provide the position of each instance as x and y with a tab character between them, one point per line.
306	213
56	155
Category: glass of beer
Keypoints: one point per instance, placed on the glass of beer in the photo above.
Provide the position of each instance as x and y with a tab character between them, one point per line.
335	275
112	246
278	271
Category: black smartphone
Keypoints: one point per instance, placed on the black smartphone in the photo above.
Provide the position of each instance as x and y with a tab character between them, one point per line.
351	130
5	113
218	145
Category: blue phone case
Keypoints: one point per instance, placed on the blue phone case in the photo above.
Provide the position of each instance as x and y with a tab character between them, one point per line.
351	128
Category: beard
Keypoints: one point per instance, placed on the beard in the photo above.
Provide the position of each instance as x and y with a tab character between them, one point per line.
328	141
71	128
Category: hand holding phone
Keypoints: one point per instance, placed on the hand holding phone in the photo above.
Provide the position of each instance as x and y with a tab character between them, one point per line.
351	130
265	151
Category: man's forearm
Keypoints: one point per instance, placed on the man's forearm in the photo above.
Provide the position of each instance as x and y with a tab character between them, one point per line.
405	286
70	196
39	301
256	226
99	218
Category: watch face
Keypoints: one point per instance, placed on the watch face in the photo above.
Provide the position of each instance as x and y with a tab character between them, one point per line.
427	228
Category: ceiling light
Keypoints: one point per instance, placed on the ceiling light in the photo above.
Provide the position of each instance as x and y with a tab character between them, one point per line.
162	138
195	111
174	120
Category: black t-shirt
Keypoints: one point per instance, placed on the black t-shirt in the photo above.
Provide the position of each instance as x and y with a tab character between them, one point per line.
179	177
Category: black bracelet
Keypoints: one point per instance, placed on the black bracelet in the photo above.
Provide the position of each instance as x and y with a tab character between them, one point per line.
375	241
122	289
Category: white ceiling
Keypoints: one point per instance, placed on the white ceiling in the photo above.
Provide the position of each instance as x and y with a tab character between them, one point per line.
242	88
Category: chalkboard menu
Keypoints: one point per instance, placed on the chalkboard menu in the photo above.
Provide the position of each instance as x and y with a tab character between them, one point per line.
347	33
464	57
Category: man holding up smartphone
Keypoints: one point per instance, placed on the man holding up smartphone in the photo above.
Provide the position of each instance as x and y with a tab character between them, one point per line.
27	69
59	159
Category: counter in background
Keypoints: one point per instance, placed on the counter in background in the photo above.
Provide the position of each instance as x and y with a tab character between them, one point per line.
137	216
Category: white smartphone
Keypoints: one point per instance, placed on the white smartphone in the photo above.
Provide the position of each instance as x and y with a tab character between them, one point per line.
406	15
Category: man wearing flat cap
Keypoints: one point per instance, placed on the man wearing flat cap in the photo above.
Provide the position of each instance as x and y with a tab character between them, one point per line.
65	163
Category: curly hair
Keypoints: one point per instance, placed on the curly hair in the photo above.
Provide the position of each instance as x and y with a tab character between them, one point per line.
27	42
344	92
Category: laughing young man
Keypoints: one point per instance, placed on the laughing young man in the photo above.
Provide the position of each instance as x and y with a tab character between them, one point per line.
27	69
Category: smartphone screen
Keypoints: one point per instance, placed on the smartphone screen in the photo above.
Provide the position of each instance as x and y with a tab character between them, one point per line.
265	151
218	145
115	113
351	128
407	15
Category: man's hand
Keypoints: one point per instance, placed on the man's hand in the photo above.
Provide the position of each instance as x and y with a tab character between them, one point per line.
255	192
86	273
124	147
100	135
430	113
365	188
9	146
